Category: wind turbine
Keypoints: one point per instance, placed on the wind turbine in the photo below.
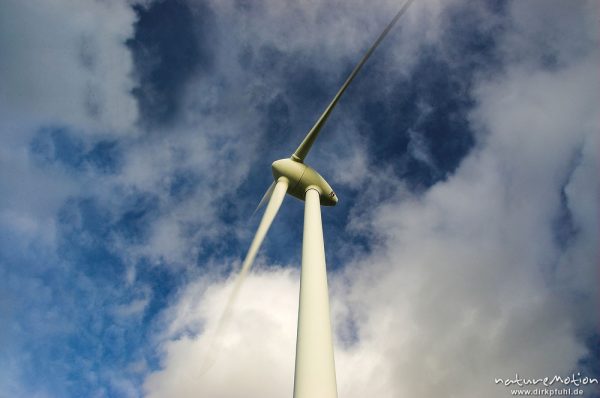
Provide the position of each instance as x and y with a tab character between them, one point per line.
314	370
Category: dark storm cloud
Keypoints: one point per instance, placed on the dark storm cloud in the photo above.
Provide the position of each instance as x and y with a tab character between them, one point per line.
171	44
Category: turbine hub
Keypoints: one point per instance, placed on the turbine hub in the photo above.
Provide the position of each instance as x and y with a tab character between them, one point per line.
302	177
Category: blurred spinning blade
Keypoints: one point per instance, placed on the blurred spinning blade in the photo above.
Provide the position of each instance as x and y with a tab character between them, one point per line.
274	195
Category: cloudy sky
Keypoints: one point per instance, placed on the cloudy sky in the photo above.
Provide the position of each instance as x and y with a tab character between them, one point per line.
136	140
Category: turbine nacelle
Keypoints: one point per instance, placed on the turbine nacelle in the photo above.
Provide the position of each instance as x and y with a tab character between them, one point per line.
301	177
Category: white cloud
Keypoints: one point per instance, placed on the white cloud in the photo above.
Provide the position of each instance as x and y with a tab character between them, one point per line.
30	195
572	33
255	353
63	63
66	62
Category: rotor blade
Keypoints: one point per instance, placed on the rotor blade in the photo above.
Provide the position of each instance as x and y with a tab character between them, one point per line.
310	138
265	198
279	190
275	201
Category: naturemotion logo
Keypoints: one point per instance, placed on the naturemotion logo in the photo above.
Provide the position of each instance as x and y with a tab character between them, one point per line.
547	386
575	380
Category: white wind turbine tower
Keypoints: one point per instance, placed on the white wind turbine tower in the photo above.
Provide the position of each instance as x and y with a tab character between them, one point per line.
315	370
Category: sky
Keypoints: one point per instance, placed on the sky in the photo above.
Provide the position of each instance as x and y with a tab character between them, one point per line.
137	138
